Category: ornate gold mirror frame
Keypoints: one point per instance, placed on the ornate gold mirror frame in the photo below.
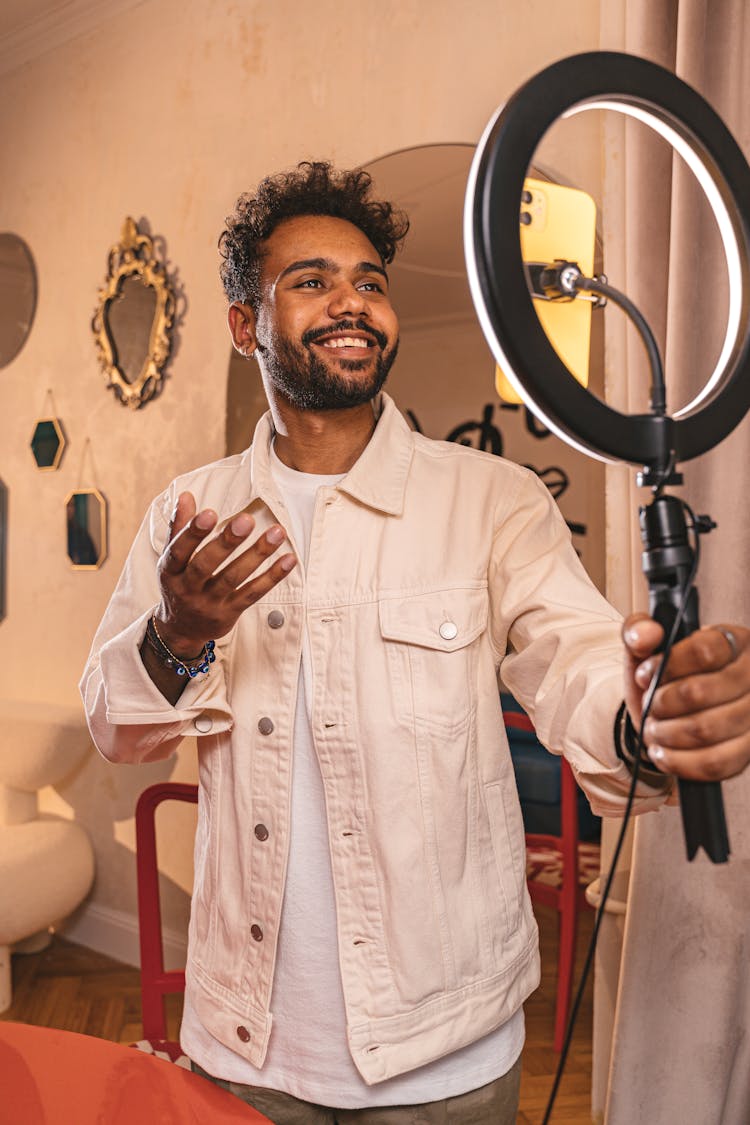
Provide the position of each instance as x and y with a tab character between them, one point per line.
132	260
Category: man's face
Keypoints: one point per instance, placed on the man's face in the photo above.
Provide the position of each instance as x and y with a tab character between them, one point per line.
326	332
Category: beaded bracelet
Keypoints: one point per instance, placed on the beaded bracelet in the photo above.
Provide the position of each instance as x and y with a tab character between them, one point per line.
191	665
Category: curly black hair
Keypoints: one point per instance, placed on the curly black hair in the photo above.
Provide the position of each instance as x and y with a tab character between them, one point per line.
312	188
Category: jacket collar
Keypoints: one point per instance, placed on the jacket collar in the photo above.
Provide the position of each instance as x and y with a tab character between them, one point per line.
378	478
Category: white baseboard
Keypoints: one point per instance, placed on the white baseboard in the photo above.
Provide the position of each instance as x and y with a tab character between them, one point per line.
116	933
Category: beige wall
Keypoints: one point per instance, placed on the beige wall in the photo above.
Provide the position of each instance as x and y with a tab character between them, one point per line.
166	112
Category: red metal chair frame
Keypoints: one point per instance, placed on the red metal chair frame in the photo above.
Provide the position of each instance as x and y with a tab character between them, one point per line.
567	899
156	982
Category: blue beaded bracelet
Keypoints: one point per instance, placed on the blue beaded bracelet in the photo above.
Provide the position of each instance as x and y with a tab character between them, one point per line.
191	665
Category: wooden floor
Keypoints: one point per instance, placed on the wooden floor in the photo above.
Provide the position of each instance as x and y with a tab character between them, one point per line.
69	987
573	1101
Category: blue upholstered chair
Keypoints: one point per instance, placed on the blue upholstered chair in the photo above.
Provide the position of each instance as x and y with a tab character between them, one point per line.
559	866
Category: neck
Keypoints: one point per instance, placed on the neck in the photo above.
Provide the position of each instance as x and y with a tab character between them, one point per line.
324	442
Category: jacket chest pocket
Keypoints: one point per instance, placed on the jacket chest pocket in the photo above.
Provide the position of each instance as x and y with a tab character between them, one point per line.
430	642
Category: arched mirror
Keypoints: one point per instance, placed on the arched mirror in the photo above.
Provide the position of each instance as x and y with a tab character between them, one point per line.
3	543
17	295
133	322
444	378
86	517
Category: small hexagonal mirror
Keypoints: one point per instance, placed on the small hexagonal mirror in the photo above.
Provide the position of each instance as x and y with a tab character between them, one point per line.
48	443
86	511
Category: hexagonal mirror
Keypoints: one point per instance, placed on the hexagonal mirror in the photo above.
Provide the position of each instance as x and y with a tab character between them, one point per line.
48	443
86	512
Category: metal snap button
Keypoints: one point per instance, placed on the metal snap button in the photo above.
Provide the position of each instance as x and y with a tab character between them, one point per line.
203	724
243	1034
261	832
448	630
256	932
276	619
265	725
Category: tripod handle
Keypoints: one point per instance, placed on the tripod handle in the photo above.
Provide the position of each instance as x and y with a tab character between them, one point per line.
701	802
667	564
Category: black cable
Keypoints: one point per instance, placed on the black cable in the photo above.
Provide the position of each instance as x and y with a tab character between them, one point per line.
647	702
563	280
658	385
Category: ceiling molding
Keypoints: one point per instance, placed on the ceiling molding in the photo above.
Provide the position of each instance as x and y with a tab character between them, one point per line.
52	26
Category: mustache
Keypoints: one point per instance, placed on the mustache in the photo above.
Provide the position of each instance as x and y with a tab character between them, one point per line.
352	326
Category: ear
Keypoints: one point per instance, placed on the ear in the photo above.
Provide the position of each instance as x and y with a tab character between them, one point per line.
242	324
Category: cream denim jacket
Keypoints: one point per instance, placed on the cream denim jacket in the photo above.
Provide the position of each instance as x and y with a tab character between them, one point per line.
432	567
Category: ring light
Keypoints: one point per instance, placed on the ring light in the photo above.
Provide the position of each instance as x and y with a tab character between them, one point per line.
499	282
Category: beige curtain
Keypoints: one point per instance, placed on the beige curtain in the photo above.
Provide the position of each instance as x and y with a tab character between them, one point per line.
681	1046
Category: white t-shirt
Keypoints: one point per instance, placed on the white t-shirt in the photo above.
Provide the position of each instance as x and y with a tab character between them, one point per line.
308	1055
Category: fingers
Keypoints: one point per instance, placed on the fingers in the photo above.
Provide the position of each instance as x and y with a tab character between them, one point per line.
207	562
642	636
699	721
255	589
706	650
717	763
685	729
701	691
192	563
186	531
184	510
234	533
235	573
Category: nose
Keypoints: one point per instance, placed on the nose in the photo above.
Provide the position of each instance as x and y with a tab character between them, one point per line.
346	300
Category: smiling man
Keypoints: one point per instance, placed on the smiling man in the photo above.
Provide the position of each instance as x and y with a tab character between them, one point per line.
361	940
296	358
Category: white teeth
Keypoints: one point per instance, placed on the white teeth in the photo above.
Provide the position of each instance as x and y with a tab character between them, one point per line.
346	342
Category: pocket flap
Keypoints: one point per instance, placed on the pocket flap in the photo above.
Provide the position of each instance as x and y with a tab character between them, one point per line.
445	620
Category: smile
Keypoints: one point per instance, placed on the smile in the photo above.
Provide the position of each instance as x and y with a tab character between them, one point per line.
346	342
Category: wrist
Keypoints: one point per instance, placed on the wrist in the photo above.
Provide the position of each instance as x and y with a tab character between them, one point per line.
629	750
189	665
183	645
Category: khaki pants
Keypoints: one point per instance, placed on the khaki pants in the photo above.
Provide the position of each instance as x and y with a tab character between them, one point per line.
494	1104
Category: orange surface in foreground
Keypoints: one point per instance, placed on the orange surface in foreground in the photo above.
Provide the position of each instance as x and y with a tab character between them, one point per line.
50	1077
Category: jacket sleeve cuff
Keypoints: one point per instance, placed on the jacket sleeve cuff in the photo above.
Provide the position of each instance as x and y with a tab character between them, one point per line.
132	698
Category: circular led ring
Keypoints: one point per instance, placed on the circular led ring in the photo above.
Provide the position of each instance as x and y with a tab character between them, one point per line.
498	280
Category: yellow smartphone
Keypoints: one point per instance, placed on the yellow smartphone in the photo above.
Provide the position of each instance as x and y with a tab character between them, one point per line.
558	222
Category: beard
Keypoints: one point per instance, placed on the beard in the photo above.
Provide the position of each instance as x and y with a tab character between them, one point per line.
308	383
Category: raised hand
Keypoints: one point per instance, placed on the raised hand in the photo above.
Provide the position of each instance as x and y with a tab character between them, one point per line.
202	595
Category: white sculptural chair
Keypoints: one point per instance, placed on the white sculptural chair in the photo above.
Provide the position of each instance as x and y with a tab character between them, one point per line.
46	862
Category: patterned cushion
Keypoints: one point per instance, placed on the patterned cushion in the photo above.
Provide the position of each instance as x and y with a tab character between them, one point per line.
544	865
163	1049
